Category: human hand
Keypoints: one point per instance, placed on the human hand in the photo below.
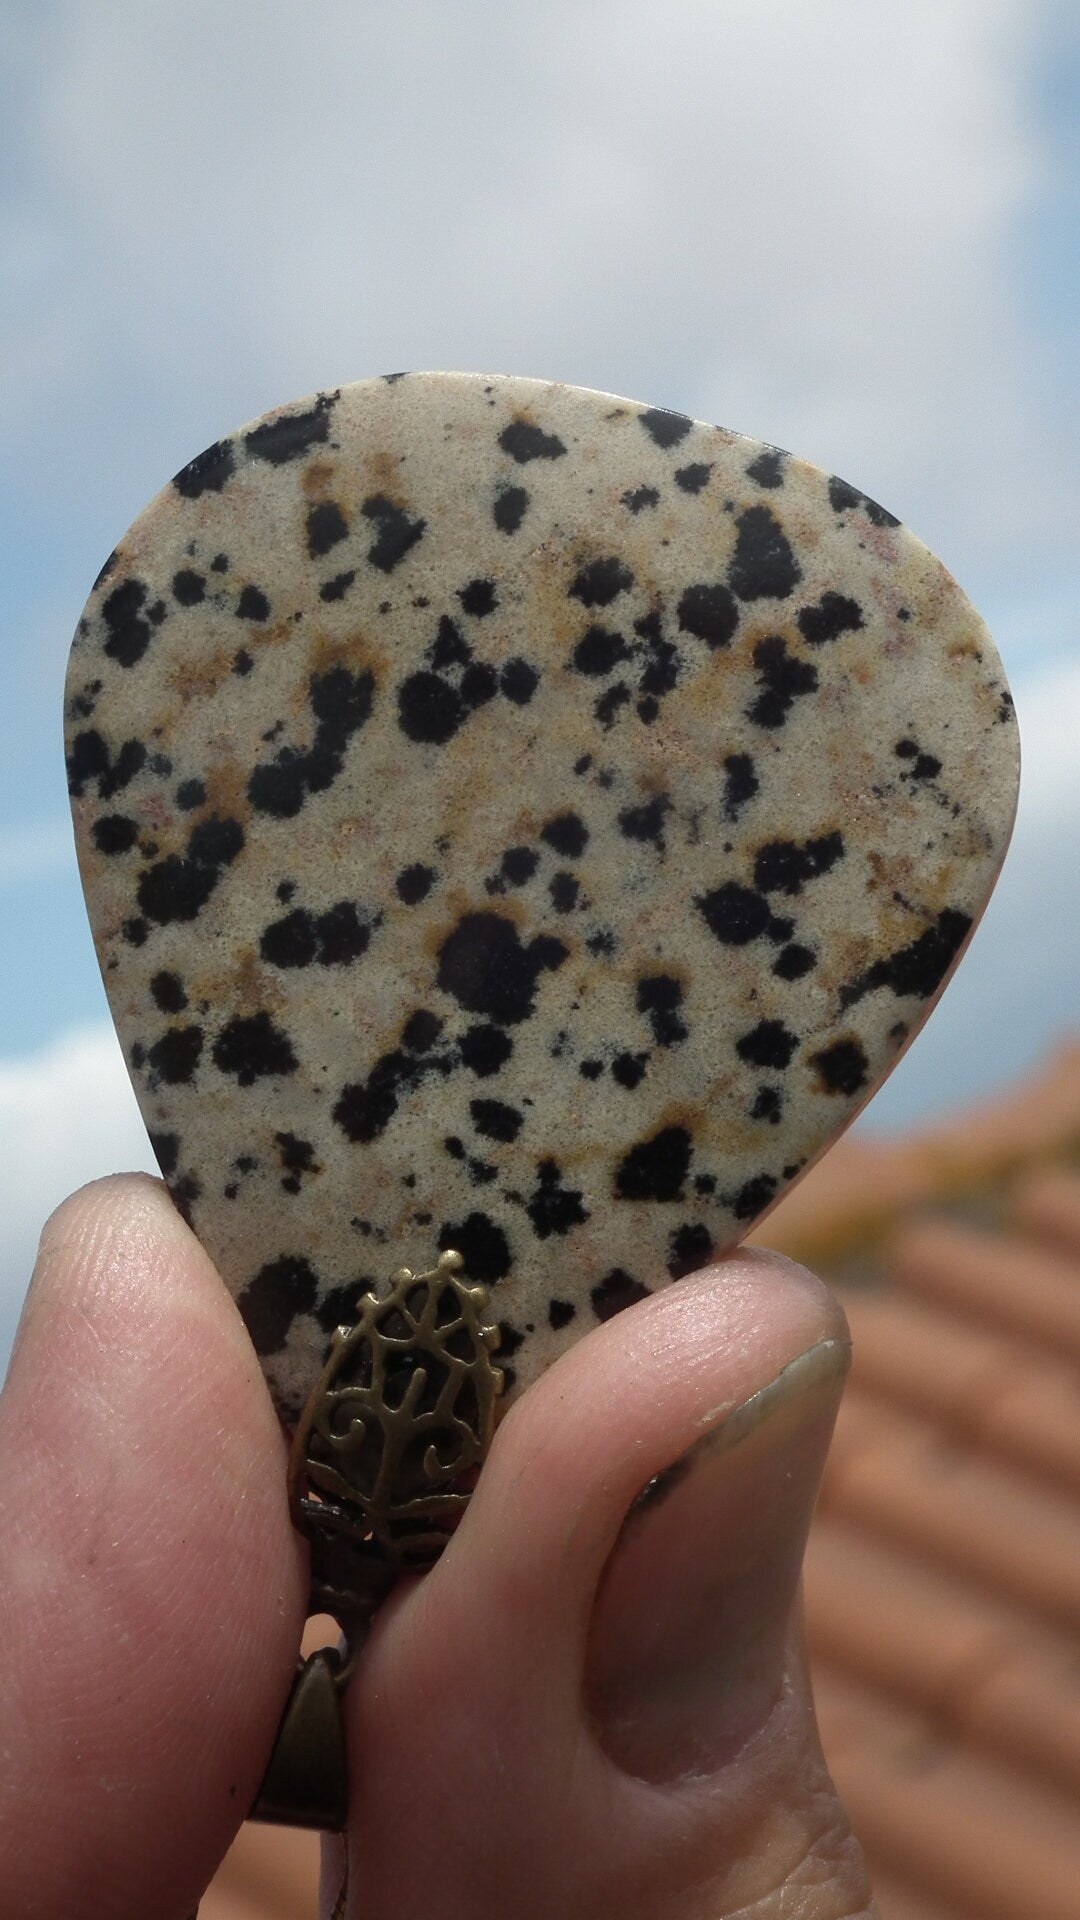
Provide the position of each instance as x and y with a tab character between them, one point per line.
595	1705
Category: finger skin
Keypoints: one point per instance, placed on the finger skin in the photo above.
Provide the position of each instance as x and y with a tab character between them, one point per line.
480	1784
151	1586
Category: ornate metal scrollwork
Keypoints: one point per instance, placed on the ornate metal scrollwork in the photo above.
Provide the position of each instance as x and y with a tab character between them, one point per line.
391	1440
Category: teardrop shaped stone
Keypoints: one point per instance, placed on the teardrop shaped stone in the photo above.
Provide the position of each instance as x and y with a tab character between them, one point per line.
520	820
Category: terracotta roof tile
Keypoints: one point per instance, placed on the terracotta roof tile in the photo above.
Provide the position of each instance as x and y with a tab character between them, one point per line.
945	1820
1004	1280
1018	1401
977	1663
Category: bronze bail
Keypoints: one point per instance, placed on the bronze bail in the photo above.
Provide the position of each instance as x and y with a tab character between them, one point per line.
382	1465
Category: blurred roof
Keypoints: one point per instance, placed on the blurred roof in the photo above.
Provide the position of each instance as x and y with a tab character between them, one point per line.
943	1575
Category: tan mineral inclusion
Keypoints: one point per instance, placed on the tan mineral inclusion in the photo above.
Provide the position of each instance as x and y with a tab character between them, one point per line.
518	820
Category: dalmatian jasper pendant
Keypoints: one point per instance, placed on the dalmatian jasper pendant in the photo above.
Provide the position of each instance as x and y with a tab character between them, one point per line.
521	822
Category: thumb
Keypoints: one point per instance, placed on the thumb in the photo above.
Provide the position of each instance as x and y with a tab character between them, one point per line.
598	1701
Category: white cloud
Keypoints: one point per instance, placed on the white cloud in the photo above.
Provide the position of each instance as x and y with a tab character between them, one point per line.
67	1115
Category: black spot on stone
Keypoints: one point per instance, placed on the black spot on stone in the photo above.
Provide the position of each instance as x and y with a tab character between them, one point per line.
430	710
251	1048
564	889
524	441
189	795
178	887
655	1169
290	942
694	477
768	1105
168	992
115	833
842	1067
768	468
208	472
793	962
509	1339
326	526
764	566
421	1030
661	669
414	883
291	435
487	970
479	684
482	1245
638	498
478	598
708	611
333	939
628	1069
396	533
341	934
252	604
659	997
242	662
666	429
270	1303
129	631
341	705
734	914
519	681
607	706
598	651
782	866
782	678
617	1290
590	1069
568	834
924	766
560	1314
842	497
740	783
754	1196
518	864
166	1151
553	1208
175	1056
646	823
689	1248
918	969
87	760
365	1108
450	647
495	1120
833	615
602	942
484	1050
136	932
338	587
769	1044
297	1158
511	504
189	587
601	582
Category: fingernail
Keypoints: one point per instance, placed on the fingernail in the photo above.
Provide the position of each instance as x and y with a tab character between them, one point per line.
687	1644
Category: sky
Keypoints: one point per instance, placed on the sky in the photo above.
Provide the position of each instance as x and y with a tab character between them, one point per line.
849	230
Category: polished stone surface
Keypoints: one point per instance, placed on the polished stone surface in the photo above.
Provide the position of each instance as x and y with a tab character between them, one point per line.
520	820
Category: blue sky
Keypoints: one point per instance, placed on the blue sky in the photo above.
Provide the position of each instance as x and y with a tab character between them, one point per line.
848	230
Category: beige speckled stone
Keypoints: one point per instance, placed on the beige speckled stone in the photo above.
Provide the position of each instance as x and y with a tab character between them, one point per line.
516	819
